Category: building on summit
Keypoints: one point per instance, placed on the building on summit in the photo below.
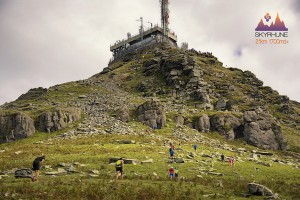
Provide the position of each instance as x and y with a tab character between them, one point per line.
153	35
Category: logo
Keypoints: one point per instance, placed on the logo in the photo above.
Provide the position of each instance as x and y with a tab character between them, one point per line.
276	31
267	17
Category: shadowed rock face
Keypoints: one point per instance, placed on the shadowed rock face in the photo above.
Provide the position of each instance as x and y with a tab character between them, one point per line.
261	130
14	127
227	125
57	120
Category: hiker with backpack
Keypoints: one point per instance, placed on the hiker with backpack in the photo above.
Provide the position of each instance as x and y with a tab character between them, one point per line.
172	152
171	172
195	147
119	168
36	166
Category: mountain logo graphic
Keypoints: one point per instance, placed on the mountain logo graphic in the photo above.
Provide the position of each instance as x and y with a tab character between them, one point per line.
277	26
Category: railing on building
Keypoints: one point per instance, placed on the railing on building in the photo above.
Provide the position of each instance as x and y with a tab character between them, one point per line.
124	42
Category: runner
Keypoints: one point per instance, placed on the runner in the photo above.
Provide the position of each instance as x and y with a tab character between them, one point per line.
36	166
120	168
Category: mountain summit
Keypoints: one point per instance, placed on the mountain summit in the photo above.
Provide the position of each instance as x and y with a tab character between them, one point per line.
160	86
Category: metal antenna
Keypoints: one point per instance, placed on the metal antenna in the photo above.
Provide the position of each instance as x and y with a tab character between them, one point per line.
151	24
165	17
141	30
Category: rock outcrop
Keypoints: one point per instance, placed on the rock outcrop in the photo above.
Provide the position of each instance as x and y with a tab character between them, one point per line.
185	76
257	189
261	130
227	125
151	66
15	126
58	119
152	114
203	124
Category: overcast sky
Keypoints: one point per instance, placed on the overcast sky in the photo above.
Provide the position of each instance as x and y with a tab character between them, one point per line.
48	42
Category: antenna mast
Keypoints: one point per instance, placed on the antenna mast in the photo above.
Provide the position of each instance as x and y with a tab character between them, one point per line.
165	17
141	30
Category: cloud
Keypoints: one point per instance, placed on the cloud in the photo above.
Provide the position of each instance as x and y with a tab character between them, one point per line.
226	28
44	43
296	6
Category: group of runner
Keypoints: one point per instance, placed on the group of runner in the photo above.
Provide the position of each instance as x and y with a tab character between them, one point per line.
119	165
173	172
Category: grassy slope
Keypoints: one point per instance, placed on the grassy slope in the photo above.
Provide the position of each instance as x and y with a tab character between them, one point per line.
95	151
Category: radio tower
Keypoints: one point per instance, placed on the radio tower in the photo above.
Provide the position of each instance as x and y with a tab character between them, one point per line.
164	17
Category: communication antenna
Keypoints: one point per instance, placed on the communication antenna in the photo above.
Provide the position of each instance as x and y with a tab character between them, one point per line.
165	17
151	24
141	30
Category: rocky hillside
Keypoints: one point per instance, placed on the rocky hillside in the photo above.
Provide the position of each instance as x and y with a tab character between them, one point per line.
160	88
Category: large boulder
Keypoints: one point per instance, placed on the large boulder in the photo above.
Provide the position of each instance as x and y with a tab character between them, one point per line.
15	126
23	173
220	104
261	130
152	114
203	124
257	189
227	125
58	119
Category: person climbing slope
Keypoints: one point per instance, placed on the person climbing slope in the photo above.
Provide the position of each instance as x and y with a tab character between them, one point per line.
195	147
172	152
171	172
231	161
119	168
36	166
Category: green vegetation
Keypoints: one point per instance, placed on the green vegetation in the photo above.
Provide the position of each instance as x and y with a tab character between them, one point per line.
140	183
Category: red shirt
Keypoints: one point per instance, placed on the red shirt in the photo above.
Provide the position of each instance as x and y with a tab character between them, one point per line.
171	171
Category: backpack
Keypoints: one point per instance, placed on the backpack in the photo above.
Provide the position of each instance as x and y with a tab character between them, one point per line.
119	163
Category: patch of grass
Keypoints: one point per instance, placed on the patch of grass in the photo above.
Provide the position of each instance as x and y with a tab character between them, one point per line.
292	137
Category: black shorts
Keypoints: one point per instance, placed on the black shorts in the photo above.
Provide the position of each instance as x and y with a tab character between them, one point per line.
119	169
36	165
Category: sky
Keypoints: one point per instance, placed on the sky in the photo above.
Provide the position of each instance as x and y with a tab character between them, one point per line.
49	42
